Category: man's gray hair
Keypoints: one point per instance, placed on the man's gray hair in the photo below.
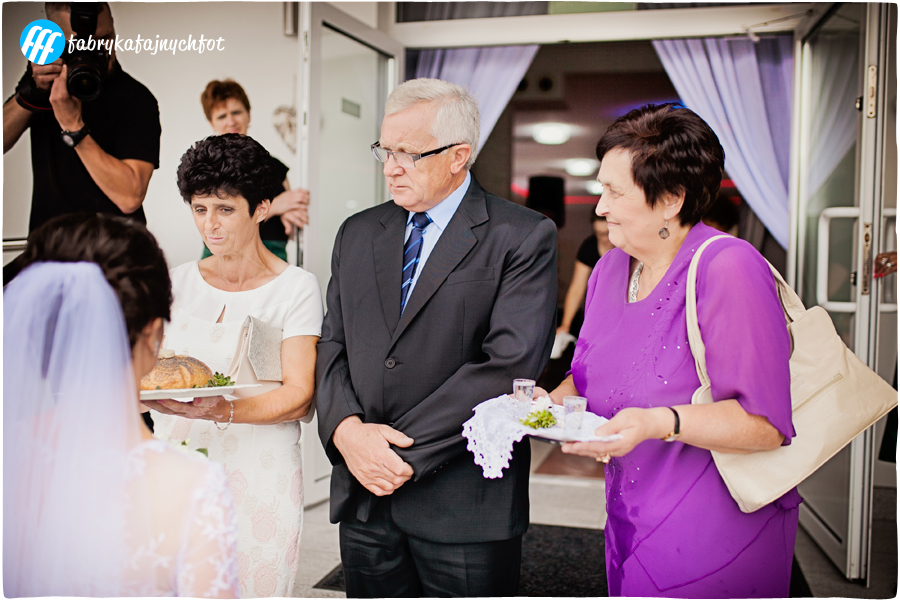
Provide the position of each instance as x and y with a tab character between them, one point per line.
457	120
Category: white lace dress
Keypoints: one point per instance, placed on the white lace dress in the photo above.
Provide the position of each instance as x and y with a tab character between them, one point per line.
263	463
189	550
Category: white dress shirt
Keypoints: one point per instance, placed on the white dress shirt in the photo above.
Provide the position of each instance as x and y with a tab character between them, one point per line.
440	216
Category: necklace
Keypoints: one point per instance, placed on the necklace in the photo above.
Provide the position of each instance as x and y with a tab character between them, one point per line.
635	283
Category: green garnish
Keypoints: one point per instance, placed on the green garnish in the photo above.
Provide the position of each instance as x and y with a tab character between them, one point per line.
220	380
203	451
539	419
158	388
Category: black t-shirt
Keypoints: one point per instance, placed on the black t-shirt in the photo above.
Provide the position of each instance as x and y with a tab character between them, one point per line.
123	120
588	253
273	228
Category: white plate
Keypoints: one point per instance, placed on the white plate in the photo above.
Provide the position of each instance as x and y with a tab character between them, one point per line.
558	433
188	395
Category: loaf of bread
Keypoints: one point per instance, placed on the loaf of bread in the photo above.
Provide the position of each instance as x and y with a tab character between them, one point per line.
176	372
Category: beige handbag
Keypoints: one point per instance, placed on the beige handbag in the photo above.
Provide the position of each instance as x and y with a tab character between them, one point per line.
834	398
258	360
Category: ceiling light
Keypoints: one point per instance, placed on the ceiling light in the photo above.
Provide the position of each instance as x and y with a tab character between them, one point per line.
581	167
551	133
595	187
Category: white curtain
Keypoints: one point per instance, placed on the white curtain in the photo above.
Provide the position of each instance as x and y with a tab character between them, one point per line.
835	82
743	90
491	74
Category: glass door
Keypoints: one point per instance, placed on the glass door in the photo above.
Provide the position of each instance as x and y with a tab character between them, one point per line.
844	212
349	69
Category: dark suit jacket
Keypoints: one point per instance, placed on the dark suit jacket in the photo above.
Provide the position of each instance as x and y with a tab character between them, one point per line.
481	314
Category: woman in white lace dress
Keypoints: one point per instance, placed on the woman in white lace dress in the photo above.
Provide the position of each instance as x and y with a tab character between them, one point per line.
256	436
93	504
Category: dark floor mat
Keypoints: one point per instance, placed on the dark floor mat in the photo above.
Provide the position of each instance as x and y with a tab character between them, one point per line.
563	562
556	561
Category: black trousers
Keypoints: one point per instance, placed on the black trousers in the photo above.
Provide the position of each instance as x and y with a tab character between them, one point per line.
381	561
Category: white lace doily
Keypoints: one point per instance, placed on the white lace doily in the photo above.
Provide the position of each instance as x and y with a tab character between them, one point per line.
495	427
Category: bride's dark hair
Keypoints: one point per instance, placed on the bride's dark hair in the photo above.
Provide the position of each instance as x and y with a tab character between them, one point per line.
128	254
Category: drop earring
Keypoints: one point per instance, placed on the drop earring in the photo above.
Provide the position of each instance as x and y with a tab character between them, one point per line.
664	233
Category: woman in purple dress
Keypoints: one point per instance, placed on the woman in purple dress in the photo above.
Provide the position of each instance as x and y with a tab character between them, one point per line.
673	529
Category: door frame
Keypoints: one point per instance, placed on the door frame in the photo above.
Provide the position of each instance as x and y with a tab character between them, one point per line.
853	556
313	17
613	26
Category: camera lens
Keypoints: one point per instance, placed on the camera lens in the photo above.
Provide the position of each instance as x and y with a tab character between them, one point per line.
86	73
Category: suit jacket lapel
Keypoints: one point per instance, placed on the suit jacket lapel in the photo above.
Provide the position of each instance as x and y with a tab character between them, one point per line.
388	251
455	243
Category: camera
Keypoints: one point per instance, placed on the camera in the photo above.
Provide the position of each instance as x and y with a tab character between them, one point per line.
87	68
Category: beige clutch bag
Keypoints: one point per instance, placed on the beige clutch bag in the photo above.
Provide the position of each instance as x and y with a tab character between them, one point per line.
258	360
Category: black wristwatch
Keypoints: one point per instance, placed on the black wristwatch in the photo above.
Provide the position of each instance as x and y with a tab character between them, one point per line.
71	139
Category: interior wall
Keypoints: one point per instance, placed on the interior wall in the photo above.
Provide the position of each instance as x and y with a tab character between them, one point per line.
587	86
256	53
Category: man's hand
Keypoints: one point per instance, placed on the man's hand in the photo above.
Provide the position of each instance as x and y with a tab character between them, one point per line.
66	109
45	75
366	450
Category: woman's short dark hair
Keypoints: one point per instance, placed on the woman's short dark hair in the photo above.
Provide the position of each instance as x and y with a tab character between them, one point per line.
672	151
218	91
228	165
128	254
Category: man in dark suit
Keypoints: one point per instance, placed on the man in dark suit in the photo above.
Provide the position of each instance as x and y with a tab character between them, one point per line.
437	301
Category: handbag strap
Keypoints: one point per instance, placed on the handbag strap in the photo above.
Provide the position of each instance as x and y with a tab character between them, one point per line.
790	303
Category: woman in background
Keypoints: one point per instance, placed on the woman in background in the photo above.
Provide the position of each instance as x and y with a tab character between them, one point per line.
673	529
227	109
256	436
93	505
589	253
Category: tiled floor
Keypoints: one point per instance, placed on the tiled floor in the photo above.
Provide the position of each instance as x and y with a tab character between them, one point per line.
570	494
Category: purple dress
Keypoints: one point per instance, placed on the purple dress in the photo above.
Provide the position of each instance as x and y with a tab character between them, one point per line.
673	530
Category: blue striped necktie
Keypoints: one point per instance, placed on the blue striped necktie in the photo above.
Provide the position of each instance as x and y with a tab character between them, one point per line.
412	251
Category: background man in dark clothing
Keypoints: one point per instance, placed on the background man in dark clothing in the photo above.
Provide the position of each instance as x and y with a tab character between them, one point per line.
116	135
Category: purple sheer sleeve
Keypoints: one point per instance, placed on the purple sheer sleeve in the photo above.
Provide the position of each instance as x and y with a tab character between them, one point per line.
742	323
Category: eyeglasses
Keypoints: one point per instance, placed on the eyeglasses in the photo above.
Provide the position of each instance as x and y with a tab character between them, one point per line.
405	160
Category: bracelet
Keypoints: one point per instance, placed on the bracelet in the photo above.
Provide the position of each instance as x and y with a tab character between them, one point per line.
230	418
677	431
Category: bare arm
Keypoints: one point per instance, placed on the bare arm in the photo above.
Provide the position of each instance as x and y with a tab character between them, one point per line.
124	181
292	206
723	426
575	295
290	401
566	387
15	122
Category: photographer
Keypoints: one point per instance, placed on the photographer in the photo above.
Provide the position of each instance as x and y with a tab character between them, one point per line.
86	155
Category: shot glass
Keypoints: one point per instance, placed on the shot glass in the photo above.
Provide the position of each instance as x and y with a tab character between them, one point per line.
575	407
523	391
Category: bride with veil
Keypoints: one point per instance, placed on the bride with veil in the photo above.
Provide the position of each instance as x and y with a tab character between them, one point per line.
93	505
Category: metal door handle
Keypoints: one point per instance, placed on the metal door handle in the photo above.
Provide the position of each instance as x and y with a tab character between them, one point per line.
825	218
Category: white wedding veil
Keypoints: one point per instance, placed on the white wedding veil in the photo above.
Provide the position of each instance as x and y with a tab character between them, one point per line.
69	420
